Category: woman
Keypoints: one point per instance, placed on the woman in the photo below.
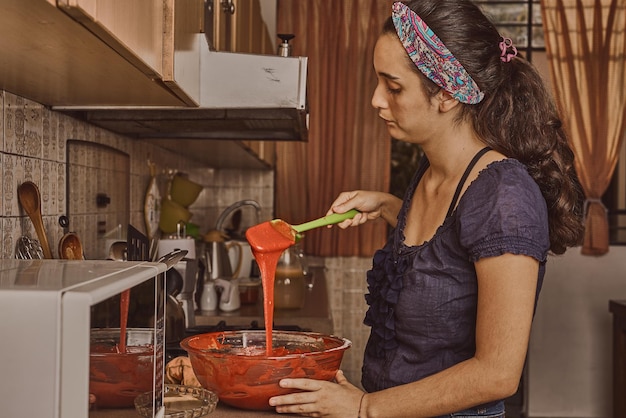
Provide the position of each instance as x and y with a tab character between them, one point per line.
453	292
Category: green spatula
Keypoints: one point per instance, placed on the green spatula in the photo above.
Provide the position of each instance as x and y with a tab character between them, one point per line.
335	218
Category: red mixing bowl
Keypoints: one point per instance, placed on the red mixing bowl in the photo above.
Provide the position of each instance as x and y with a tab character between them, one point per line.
234	364
116	379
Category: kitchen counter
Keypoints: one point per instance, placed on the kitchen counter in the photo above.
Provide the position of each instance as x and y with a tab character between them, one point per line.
222	411
314	316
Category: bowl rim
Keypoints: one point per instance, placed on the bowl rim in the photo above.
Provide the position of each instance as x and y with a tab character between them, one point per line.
104	335
345	343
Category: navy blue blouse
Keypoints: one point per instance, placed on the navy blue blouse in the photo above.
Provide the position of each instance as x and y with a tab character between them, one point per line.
423	299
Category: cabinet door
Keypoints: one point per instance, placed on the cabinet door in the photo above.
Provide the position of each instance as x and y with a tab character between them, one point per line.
239	27
134	29
263	150
182	40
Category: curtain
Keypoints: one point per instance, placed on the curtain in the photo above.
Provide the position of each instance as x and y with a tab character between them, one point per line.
586	46
348	146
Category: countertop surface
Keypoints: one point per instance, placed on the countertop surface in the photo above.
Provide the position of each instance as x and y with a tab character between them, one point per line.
222	411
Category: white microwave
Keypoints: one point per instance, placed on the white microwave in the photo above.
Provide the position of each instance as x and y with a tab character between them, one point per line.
46	322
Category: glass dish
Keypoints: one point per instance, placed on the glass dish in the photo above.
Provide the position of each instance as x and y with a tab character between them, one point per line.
179	401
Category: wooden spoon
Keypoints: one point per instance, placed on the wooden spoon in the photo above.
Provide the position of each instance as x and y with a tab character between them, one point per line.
30	199
70	247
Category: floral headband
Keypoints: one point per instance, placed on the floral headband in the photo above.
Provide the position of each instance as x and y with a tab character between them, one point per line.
432	57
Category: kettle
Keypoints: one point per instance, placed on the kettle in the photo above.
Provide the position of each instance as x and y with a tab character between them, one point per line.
216	258
175	314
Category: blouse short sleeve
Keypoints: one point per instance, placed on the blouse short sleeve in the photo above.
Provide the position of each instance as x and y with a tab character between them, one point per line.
503	211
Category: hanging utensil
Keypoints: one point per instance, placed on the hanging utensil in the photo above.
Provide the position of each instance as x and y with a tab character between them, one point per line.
30	199
28	249
70	247
117	251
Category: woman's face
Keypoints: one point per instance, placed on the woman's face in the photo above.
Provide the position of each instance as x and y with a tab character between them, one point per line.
400	96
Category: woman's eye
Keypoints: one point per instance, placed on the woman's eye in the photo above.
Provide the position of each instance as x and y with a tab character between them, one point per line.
393	91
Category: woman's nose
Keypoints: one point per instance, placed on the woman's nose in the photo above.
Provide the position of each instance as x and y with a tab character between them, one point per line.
378	101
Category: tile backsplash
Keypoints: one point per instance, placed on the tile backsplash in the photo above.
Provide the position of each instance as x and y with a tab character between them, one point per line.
33	146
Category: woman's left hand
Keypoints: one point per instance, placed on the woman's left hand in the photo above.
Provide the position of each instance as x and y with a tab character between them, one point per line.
320	398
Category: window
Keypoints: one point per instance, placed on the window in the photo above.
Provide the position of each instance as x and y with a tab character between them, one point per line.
518	20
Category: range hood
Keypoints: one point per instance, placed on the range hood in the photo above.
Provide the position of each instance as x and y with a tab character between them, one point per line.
240	96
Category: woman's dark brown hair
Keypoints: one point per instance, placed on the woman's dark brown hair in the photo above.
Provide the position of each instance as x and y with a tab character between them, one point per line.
517	117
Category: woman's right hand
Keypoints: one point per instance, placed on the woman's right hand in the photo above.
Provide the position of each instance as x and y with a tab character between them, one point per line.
371	205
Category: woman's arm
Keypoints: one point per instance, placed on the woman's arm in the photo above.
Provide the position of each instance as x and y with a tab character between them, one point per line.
372	205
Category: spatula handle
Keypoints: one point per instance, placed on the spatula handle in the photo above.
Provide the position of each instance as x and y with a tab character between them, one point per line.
335	218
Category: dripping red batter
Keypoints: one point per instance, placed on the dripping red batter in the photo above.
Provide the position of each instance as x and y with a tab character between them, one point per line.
124	303
268	240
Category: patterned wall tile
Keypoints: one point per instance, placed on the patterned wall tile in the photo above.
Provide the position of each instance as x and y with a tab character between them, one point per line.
61	128
61	188
32	170
11	231
33	129
48	135
1	121
49	184
14	124
47	188
2	157
13	172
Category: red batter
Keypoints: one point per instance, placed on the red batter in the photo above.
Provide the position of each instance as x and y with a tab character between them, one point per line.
116	378
124	303
244	378
268	241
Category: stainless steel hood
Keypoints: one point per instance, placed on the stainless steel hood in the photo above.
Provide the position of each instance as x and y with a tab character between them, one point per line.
241	96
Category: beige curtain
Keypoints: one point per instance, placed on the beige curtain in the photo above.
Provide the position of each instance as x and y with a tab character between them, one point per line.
348	147
586	49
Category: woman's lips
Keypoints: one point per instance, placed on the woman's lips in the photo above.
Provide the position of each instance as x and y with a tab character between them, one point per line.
388	122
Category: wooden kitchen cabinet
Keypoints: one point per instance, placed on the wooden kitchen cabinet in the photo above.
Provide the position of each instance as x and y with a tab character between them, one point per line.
183	21
238	26
52	58
263	150
153	35
134	29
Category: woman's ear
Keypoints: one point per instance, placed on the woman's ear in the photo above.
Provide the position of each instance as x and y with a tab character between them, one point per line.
446	101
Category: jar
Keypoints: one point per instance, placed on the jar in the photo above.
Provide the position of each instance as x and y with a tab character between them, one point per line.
289	285
249	290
